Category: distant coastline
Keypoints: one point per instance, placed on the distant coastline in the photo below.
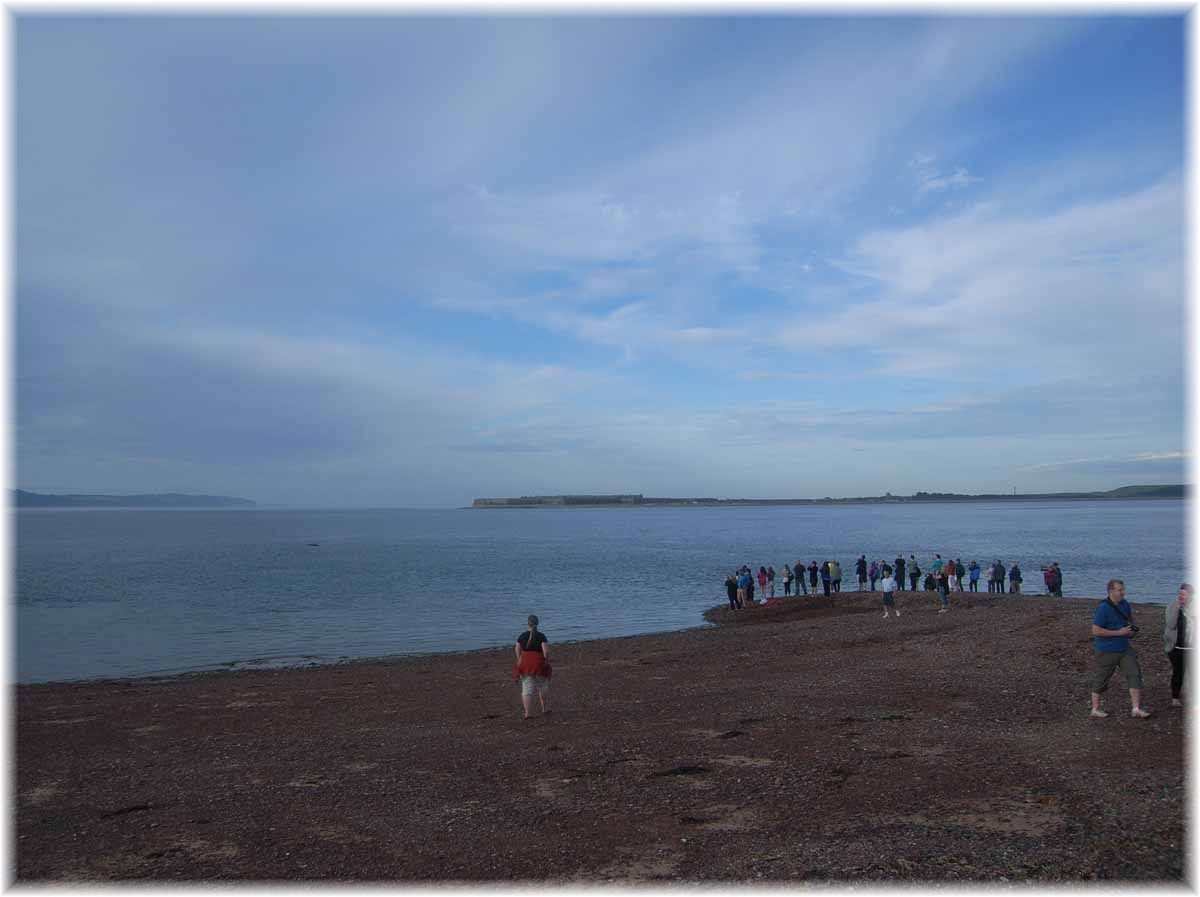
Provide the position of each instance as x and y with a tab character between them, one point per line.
1176	491
23	499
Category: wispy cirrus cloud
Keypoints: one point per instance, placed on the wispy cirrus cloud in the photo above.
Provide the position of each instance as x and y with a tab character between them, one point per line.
937	183
1169	465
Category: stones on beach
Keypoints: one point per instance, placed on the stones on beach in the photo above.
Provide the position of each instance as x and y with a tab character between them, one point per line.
679	771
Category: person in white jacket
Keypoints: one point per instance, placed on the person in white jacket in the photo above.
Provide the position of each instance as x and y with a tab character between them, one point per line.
1179	636
889	594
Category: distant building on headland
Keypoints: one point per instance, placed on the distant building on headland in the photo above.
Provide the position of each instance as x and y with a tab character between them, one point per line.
537	500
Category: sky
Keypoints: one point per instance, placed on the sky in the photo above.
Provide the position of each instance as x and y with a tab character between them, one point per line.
408	261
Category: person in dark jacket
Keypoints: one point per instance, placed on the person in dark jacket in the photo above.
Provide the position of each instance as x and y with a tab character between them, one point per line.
1014	579
860	571
826	577
731	590
800	577
898	573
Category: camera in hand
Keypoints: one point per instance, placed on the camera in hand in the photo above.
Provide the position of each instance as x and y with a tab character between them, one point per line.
1134	627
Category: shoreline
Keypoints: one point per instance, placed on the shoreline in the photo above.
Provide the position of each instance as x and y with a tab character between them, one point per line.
809	742
708	620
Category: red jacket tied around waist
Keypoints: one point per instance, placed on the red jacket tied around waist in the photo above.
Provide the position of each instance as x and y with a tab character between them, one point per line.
532	663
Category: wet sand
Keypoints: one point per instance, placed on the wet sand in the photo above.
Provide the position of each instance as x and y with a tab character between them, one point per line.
815	741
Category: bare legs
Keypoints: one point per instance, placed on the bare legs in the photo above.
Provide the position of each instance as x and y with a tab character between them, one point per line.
527	700
1135	701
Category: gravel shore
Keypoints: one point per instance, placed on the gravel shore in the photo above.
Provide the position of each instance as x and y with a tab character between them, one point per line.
814	741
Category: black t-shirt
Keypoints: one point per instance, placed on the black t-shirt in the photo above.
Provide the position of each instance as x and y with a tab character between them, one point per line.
538	639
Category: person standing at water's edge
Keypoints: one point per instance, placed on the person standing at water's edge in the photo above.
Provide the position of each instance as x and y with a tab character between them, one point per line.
1179	636
1014	579
1112	627
731	591
533	666
860	572
787	580
813	575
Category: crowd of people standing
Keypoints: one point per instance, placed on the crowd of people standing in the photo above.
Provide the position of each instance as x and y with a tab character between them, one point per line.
1112	624
943	577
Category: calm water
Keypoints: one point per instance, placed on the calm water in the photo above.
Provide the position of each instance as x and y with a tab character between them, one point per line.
131	593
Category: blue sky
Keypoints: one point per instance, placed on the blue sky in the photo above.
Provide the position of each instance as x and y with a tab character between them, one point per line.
406	261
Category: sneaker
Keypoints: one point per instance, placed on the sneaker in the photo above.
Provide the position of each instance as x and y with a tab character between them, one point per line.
1099	714
885	614
943	610
1175	702
897	613
1139	713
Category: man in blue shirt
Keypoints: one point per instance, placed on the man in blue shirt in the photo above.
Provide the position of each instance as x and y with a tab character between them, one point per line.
1112	627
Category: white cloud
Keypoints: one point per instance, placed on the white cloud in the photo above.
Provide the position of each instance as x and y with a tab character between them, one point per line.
936	183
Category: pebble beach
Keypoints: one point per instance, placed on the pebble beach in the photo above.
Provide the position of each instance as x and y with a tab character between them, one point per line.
811	741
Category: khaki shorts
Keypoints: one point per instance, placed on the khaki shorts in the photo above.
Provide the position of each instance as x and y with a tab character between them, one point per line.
1107	663
530	684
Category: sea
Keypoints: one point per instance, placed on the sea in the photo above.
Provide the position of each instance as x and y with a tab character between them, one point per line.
102	593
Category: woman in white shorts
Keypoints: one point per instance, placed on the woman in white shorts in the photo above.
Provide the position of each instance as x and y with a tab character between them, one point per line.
533	666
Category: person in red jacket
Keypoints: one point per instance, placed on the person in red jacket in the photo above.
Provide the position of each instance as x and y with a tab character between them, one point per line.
533	666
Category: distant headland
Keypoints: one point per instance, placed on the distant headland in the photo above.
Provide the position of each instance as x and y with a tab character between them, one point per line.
558	501
23	499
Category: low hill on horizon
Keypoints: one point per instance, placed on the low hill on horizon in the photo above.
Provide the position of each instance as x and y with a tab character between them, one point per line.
1179	490
24	499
